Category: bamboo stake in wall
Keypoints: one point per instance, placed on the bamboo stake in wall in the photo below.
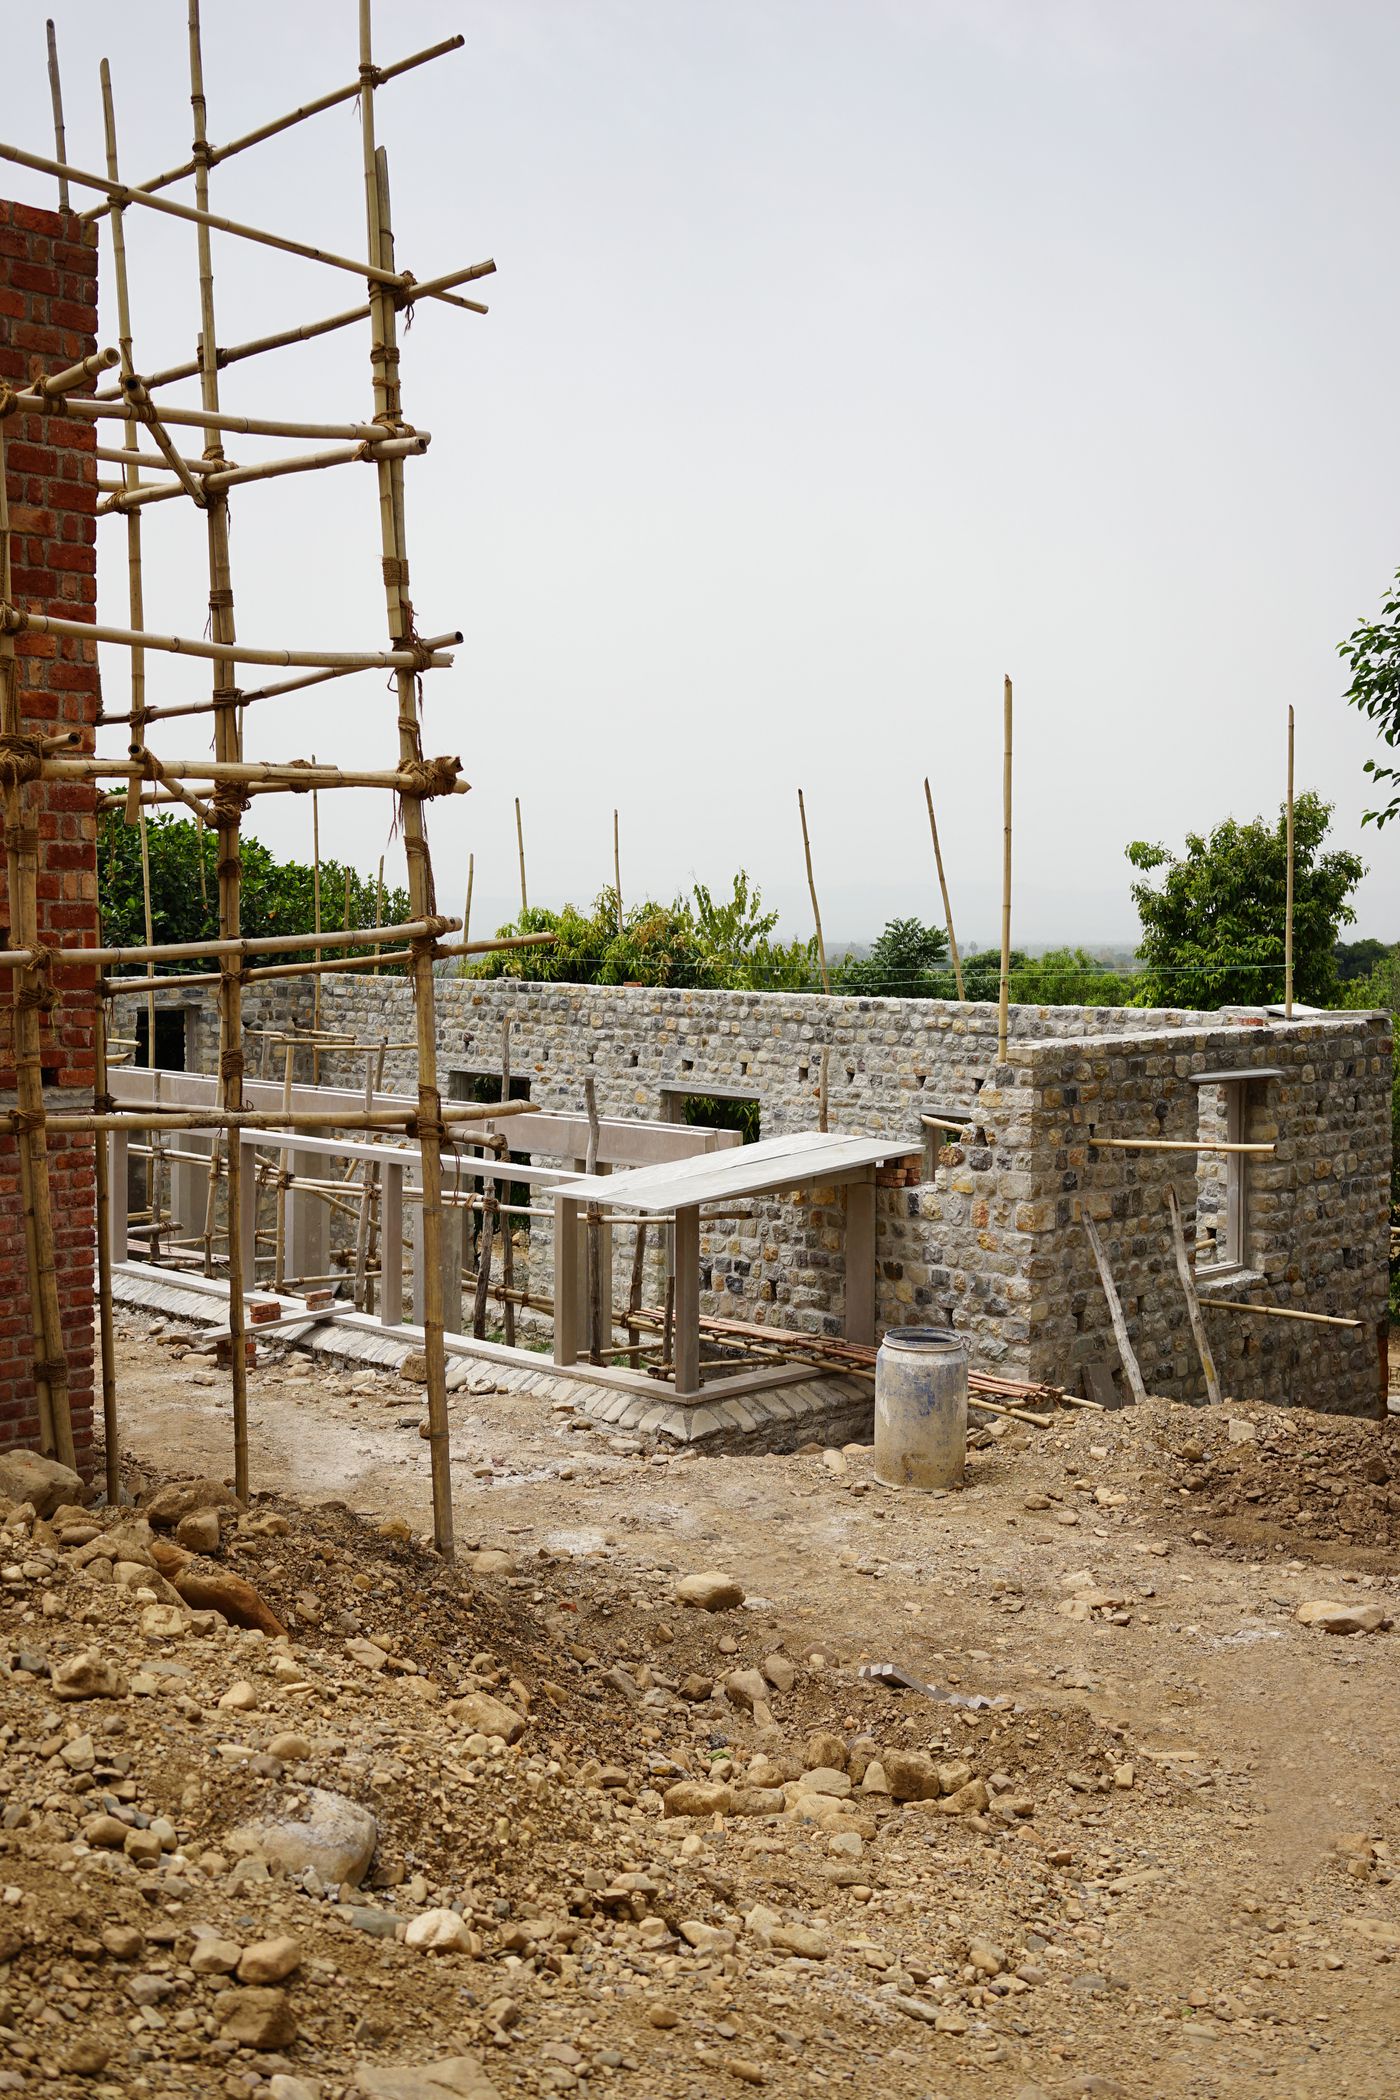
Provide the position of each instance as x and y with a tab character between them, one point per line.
60	146
617	871
388	406
520	849
943	887
812	890
467	909
1003	1017
1288	891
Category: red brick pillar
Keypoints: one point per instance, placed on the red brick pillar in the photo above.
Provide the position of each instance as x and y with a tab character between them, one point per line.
48	318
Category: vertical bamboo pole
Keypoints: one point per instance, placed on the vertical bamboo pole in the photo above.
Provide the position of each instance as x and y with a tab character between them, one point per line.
60	136
1288	891
520	849
106	1340
824	1090
31	995
593	1215
1003	1017
943	887
316	919
467	908
617	871
379	907
507	1226
812	889
345	910
384	355
228	747
131	474
279	1242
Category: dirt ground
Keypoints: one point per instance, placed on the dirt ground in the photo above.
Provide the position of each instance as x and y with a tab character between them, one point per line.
1177	1878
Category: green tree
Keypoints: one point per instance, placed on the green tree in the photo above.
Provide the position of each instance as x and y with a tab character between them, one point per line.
1069	977
1373	652
276	896
906	962
1212	932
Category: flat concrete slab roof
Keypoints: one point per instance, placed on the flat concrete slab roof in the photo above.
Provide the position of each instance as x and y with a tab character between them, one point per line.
805	1156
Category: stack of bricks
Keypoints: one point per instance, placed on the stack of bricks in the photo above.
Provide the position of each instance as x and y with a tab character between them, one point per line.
48	319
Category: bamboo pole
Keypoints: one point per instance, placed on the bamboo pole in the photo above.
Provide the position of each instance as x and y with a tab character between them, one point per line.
91	409
308	331
266	470
345	907
617	871
520	848
824	1090
246	698
399	610
107	1350
1280	1312
215	154
228	750
467	908
279	1244
257	774
812	889
253	944
508	1241
379	898
30	992
943	887
13	621
114	987
316	922
1288	891
60	138
1127	1144
268	1119
593	1226
1188	1290
1115	1313
123	193
1003	1017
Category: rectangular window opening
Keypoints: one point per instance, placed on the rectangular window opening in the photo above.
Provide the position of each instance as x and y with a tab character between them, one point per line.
722	1110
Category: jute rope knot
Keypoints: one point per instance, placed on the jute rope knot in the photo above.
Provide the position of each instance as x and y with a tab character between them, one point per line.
23	1121
21	759
228	803
9	400
231	1064
429	776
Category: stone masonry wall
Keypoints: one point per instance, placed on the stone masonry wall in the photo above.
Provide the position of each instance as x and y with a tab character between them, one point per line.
48	315
991	1243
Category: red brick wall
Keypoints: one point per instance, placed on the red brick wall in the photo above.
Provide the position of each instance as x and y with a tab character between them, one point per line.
48	318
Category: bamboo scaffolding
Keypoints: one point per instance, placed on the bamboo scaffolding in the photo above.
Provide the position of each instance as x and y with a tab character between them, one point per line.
467	907
520	848
300	778
107	1348
508	1239
267	692
434	288
943	888
812	890
13	621
91	408
1279	1312
207	221
267	1119
399	610
215	481
114	987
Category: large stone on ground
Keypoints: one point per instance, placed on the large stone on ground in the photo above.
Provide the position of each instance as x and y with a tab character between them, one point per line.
480	1714
1343	1618
169	1504
27	1476
236	1599
911	1775
322	1830
451	2078
699	1797
257	2019
88	1676
710	1591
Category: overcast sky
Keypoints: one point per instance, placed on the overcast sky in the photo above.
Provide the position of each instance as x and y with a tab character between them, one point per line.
841	357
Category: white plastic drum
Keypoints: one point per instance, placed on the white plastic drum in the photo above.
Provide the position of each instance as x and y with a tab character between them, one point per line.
921	1408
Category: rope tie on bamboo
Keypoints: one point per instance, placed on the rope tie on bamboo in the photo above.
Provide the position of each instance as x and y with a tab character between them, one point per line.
9	400
231	1064
25	1121
220	598
228	803
426	777
50	1369
21	759
421	1127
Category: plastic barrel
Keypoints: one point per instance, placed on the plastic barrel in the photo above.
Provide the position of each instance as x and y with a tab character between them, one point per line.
921	1408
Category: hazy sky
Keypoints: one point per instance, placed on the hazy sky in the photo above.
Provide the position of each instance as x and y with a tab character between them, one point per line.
841	357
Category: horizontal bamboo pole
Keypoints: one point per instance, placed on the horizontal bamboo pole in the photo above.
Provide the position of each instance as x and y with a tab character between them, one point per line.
270	470
121	193
123	987
433	642
308	331
255	944
1170	1145
1276	1312
88	408
299	779
13	621
49	387
153	462
269	1119
215	154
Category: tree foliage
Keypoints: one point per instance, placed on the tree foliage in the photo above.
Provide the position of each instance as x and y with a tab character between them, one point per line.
693	941
906	962
1373	652
277	896
1212	930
